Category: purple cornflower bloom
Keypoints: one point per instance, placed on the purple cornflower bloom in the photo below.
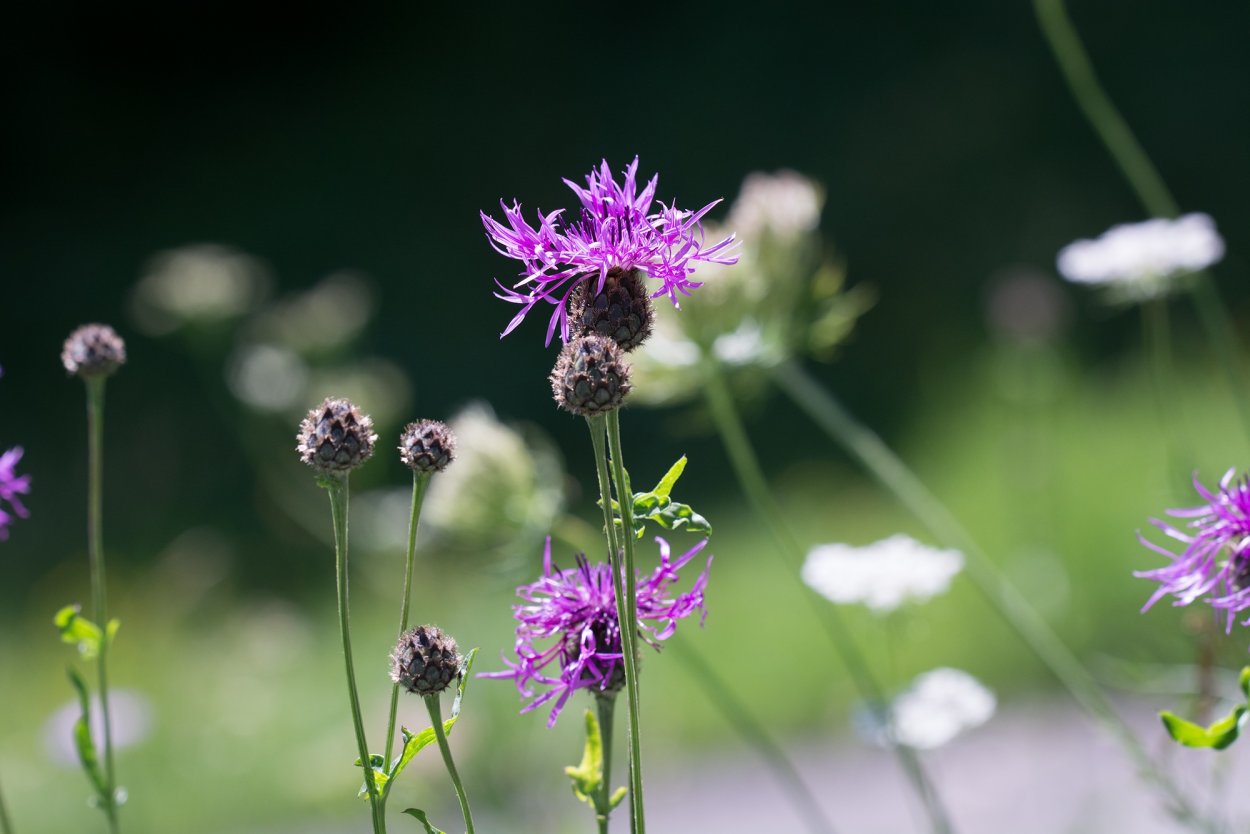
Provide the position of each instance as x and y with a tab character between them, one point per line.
577	609
12	485
616	228
1216	560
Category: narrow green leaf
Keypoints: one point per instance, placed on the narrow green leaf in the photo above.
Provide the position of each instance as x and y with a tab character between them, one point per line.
380	778
1217	736
77	629
617	797
588	776
465	668
680	516
430	828
665	486
83	742
1245	682
414	744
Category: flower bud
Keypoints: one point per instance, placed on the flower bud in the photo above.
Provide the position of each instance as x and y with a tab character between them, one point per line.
93	350
425	660
335	437
427	446
590	377
621	311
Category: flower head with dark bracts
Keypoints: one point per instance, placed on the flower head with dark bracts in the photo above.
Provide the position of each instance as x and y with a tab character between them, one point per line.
615	228
1215	562
576	608
11	486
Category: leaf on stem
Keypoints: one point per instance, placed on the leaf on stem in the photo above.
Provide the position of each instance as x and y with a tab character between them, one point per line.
658	507
587	777
83	742
380	778
421	817
78	630
1217	736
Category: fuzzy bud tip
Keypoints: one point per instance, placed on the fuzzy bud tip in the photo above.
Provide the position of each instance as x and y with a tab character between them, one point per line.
425	660
591	376
93	350
335	437
427	446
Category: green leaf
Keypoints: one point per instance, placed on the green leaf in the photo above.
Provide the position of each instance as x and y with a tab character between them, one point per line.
658	507
665	486
77	629
83	742
379	776
1245	682
424	820
1219	735
465	668
617	797
588	776
676	516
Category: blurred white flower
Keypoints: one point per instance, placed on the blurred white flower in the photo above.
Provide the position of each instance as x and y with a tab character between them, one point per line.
1138	258
321	319
882	575
131	715
938	706
267	377
742	346
785	204
204	282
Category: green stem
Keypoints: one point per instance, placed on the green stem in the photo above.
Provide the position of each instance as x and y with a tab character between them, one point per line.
338	489
629	625
99	590
6	824
420	480
598	431
886	467
740	718
751	478
607	715
1158	337
1142	177
433	703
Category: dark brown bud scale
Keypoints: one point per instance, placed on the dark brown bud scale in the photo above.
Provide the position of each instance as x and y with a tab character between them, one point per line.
93	350
591	376
427	446
621	311
425	660
335	437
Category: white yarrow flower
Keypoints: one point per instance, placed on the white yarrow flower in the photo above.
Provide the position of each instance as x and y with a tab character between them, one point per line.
786	204
1139	258
882	575
938	706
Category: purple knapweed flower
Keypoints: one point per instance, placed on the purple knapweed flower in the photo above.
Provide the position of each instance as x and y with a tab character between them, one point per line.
577	609
12	485
1216	560
615	228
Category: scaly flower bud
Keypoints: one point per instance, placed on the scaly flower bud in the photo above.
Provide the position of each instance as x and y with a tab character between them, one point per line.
622	310
335	437
590	377
427	446
425	660
93	350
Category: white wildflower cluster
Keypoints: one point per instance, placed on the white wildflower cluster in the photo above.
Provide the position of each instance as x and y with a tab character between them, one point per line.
785	204
1139	259
881	576
938	706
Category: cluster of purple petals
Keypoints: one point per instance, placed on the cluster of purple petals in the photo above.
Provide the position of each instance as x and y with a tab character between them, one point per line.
576	608
1215	561
11	486
615	227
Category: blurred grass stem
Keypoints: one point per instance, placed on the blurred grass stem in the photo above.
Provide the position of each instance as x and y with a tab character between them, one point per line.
754	733
6	824
751	478
622	581
338	489
420	481
1142	177
1158	337
434	704
99	590
867	447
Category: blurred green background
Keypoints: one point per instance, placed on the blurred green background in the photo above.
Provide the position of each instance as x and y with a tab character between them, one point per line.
348	151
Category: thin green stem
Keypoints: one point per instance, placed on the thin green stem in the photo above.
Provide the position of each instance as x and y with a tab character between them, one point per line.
886	467
420	481
751	478
739	716
1143	178
338	489
607	718
436	717
598	435
99	589
6	824
1158	337
629	625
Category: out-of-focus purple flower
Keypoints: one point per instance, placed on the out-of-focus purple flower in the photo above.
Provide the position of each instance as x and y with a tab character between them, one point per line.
576	608
1215	562
615	228
11	486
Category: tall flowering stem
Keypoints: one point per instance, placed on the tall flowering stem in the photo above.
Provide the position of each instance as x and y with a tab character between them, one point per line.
751	478
890	471
606	708
624	588
337	487
99	591
420	481
1142	176
436	719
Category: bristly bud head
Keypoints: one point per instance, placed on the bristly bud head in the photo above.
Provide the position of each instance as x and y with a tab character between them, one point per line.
591	376
93	350
335	437
427	446
425	660
622	311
